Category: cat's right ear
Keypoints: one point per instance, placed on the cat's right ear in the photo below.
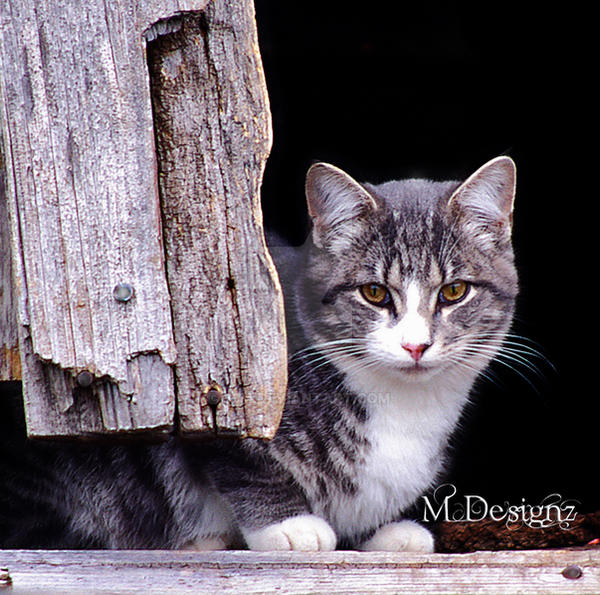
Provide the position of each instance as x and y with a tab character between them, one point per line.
337	203
485	200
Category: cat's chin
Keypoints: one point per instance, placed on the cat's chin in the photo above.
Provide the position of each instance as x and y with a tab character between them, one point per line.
434	369
391	373
416	373
410	371
427	373
394	373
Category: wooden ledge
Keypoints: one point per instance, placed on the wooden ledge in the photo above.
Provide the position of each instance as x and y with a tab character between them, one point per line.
164	572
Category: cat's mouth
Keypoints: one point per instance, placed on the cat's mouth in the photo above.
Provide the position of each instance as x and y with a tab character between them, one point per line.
413	371
417	370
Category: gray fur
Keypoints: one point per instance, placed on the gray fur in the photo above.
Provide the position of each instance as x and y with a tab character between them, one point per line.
175	494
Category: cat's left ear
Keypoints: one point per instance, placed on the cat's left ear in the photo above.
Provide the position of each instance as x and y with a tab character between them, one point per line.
486	198
338	205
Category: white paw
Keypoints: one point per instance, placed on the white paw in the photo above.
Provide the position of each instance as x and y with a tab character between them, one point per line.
307	533
404	536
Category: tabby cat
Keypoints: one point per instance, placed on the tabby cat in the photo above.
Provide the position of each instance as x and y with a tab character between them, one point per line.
400	298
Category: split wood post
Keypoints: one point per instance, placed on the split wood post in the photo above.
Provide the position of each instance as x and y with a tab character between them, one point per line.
213	137
10	360
100	325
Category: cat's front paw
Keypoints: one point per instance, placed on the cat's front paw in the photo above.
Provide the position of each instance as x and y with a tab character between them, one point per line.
404	536
307	533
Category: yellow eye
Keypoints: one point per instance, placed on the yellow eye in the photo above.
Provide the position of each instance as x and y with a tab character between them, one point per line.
453	292
375	294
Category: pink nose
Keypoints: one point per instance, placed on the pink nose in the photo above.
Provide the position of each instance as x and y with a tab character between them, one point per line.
416	351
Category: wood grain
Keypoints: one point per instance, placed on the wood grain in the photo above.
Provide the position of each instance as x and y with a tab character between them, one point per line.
10	359
213	136
164	572
78	147
82	188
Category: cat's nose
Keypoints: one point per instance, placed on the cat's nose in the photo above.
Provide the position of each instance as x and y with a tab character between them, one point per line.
416	351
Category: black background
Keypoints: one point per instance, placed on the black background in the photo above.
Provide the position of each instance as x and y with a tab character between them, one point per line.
386	90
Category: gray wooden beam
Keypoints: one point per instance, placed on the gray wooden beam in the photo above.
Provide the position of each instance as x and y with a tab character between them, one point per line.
10	359
164	572
95	320
78	152
214	135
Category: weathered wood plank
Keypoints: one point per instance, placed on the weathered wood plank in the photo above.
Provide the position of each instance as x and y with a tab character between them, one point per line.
214	135
78	146
10	360
166	572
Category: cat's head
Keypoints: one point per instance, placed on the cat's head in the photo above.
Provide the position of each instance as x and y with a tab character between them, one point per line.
410	279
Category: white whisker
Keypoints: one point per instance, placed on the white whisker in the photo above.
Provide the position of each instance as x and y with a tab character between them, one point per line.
483	373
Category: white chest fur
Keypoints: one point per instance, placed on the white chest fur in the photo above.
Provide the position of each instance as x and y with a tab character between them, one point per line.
408	428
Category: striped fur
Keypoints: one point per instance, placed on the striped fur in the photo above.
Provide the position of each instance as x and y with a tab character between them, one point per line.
364	429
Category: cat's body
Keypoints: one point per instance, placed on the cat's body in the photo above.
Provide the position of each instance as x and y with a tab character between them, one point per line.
399	300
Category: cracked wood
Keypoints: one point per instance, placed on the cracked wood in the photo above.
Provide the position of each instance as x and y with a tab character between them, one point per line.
78	149
164	572
213	136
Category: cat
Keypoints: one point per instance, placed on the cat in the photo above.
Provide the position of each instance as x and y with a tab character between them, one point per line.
398	301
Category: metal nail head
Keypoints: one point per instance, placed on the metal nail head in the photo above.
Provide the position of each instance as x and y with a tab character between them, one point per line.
572	572
213	397
85	379
123	292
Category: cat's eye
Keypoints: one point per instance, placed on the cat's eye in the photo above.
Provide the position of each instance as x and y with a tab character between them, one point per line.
453	292
375	294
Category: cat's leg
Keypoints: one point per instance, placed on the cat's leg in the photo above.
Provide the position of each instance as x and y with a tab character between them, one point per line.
403	536
269	508
306	532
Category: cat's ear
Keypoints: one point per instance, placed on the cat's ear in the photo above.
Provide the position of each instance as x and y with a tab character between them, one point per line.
485	199
338	205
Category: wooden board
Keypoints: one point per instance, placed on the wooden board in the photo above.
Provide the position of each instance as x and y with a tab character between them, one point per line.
213	135
78	151
82	188
164	572
10	360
